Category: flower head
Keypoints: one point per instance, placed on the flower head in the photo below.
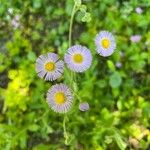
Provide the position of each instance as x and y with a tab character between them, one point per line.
49	66
118	64
84	106
78	58
105	43
135	38
59	98
138	10
15	22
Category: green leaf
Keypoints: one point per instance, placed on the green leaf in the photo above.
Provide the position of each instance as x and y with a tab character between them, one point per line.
110	65
77	2
31	56
37	3
86	17
101	83
41	147
33	127
108	139
121	144
83	8
115	80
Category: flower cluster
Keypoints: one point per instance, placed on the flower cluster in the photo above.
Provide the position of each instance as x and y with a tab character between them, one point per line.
78	59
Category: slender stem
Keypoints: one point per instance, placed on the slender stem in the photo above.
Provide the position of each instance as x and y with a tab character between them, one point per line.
71	24
65	132
70	37
78	97
70	43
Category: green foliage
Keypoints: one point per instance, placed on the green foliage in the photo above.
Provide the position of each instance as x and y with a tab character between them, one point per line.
115	80
119	115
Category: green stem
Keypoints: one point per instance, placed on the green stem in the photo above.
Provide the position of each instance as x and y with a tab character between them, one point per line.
70	37
78	97
65	132
70	43
71	24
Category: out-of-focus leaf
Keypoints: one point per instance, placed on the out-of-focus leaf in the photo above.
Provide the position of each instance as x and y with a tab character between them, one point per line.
33	127
110	65
115	80
121	144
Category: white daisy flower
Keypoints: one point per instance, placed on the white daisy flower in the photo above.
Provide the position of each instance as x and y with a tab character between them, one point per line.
78	58
59	98
49	66
105	43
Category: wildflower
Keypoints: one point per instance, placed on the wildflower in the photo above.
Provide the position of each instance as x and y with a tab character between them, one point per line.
78	58
118	64
15	22
59	98
10	10
49	66
105	43
139	10
84	106
135	38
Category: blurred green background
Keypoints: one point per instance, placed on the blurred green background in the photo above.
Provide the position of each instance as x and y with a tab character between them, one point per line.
117	88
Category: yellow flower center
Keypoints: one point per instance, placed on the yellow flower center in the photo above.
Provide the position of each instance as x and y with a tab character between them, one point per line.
78	58
60	98
50	66
105	43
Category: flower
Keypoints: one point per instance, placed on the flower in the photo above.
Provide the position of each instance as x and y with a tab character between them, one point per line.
78	58
15	22
59	98
118	64
49	66
135	38
84	106
105	43
138	10
10	10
